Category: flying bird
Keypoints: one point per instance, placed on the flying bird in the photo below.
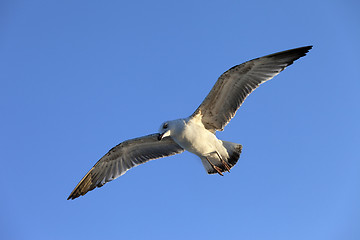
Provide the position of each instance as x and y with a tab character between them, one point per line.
195	133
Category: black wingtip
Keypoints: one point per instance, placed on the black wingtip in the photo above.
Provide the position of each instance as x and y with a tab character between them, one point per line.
290	55
307	48
74	194
300	52
72	197
304	50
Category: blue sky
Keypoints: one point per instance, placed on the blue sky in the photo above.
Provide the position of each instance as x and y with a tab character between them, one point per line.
79	77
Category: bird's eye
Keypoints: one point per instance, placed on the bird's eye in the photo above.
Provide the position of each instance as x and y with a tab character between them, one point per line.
165	126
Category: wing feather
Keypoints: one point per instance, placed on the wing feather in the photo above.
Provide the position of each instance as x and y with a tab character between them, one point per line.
121	158
234	85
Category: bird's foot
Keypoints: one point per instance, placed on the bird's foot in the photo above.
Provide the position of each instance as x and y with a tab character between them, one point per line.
223	162
218	170
215	167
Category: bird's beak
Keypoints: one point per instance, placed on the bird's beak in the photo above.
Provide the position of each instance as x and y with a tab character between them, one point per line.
164	134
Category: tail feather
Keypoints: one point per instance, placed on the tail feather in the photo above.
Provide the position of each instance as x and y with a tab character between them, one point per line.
231	158
234	151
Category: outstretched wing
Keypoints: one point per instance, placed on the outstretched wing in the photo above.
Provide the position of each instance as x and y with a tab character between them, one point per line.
233	86
124	156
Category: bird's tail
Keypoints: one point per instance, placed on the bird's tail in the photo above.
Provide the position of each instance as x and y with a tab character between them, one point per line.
217	163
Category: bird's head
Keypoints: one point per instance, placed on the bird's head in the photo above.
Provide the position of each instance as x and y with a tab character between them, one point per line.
165	130
171	128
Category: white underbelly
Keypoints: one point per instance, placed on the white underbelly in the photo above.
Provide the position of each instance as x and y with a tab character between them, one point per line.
197	140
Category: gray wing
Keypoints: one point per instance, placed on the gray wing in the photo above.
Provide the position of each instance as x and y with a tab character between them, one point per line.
238	82
121	158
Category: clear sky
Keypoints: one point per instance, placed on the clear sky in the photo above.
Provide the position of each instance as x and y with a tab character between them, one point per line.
79	77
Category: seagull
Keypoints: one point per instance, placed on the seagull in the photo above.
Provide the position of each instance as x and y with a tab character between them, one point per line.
195	133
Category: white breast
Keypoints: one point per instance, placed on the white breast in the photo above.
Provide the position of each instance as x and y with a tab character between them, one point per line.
193	137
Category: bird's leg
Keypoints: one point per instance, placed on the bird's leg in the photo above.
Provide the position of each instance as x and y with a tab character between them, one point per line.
223	162
215	167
